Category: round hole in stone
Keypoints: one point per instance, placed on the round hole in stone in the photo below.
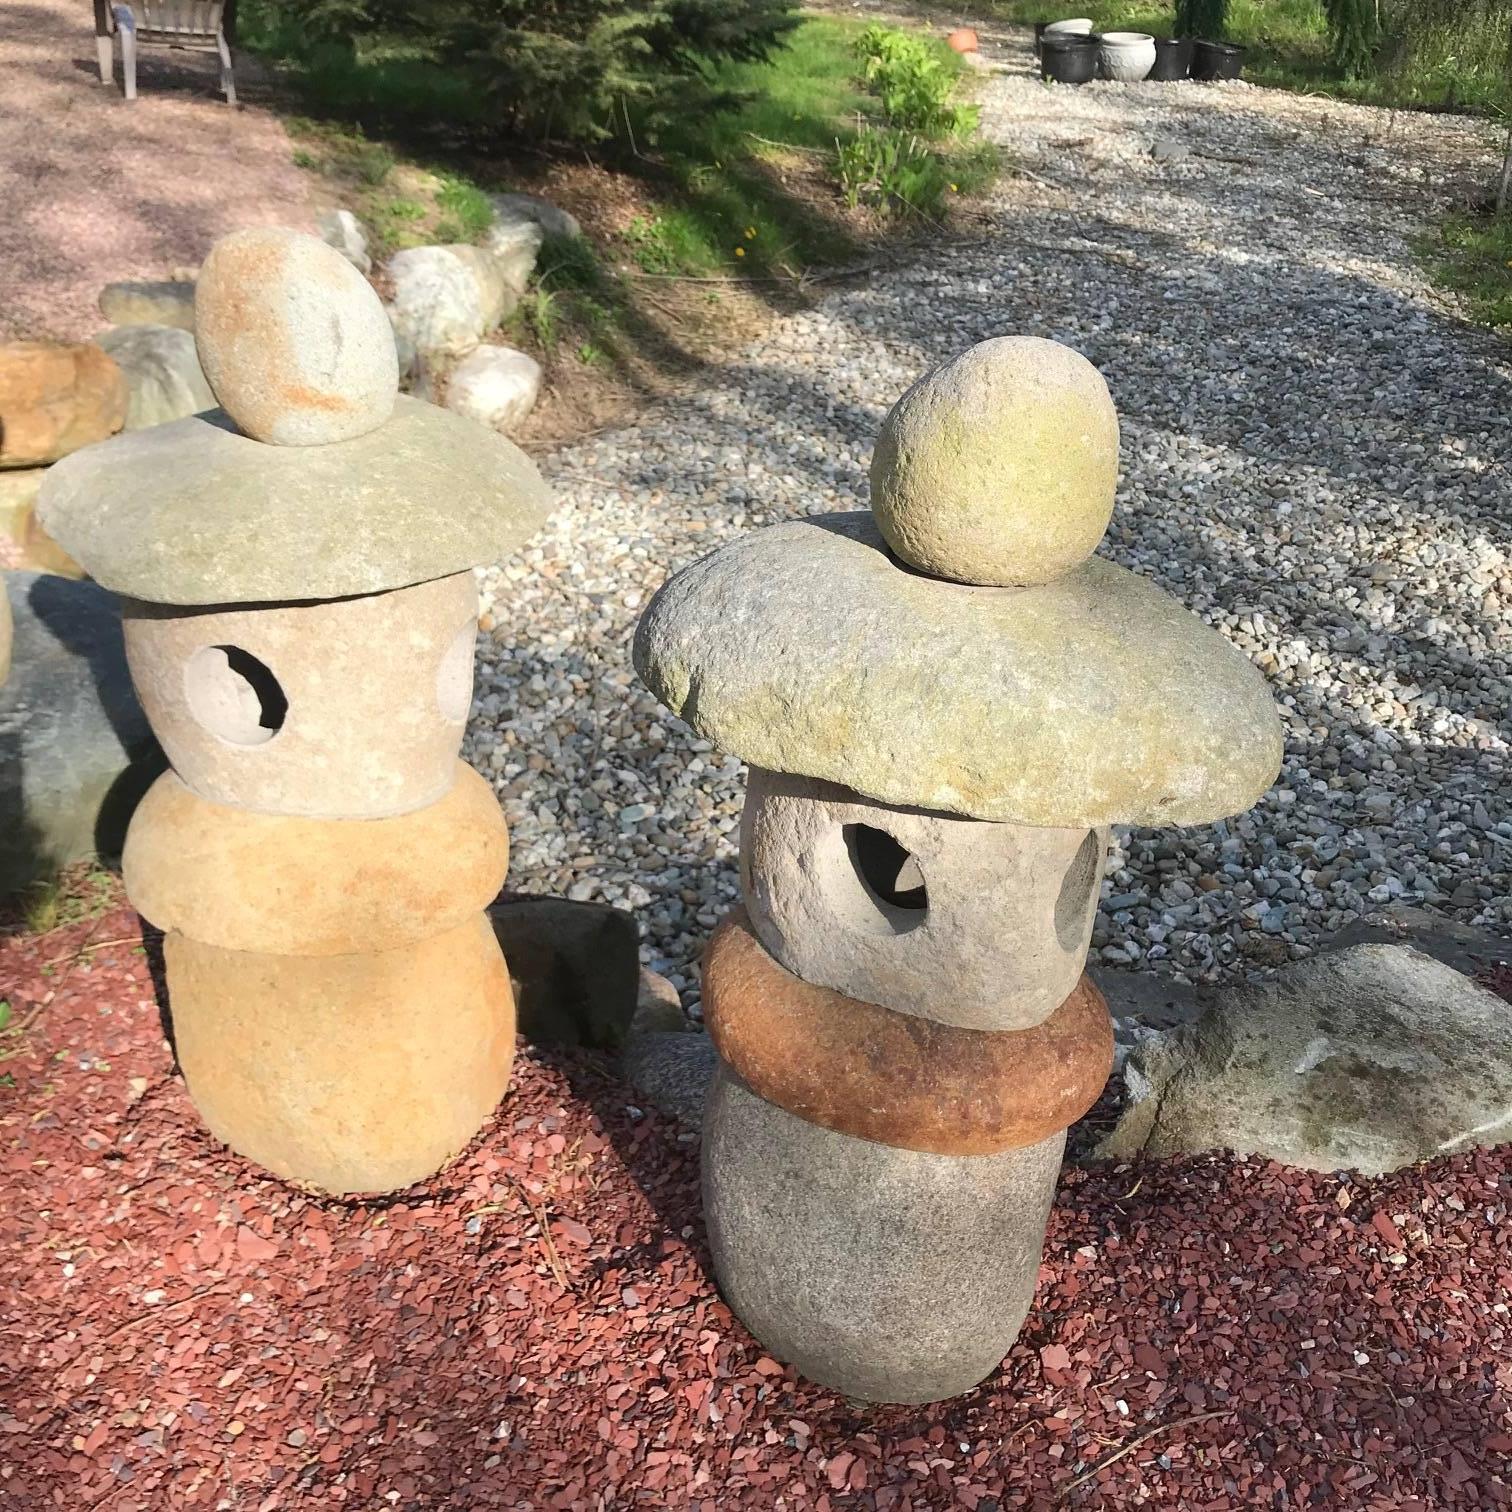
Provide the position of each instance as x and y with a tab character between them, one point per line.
454	676
1076	891
234	696
890	875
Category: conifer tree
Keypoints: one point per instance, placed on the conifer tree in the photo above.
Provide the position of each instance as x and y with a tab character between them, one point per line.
1202	18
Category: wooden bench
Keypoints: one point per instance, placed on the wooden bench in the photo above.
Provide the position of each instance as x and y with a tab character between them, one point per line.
194	25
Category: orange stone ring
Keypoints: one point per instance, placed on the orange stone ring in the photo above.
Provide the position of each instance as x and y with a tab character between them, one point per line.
894	1078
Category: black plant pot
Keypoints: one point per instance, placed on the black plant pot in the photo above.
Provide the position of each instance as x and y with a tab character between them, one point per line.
1039	33
1216	60
1173	59
1070	60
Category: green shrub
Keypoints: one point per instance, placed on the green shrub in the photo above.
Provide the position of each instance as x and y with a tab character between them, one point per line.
913	83
892	170
571	70
1353	32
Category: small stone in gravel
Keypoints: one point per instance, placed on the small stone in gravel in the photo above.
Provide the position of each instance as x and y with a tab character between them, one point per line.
293	340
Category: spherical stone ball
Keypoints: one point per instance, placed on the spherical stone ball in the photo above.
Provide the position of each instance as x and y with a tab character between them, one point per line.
1000	466
293	339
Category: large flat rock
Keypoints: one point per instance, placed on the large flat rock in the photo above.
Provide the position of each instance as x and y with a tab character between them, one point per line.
1367	1058
195	513
1091	700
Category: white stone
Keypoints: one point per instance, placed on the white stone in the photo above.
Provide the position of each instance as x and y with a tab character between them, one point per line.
496	386
515	245
293	340
439	309
342	230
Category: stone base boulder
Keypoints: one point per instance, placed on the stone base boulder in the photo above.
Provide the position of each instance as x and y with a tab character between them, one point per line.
164	380
575	969
55	399
75	750
1367	1059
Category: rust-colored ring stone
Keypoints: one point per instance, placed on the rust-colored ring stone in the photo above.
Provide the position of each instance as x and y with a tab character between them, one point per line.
890	1077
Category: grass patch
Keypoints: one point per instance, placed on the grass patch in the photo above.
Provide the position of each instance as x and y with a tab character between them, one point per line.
1472	255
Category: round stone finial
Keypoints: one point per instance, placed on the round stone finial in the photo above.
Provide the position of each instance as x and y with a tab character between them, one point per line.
293	339
1000	466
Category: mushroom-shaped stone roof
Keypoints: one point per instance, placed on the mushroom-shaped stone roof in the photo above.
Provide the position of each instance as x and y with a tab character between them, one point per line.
315	478
1091	698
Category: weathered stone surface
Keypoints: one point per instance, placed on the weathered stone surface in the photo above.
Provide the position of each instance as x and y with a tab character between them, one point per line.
1093	700
438	308
658	1008
293	339
1368	1059
672	1071
891	1077
55	399
352	1073
75	749
515	245
496	386
575	969
164	380
169	302
512	209
345	709
342	230
427	494
890	1275
314	887
495	294
981	925
999	466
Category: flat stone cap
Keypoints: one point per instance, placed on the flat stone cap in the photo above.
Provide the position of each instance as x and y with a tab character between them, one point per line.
194	512
1090	700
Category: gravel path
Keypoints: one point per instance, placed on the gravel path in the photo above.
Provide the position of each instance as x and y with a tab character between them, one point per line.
93	190
1316	460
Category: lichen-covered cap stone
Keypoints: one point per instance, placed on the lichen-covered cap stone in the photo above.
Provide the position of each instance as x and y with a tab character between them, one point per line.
1090	700
194	512
293	339
999	466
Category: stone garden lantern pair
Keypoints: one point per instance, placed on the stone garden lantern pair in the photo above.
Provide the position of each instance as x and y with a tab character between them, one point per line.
945	703
299	617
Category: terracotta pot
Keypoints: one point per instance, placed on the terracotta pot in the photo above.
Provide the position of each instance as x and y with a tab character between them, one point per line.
962	40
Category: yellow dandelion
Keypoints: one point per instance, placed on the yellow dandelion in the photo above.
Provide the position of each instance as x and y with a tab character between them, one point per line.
955	188
740	251
750	233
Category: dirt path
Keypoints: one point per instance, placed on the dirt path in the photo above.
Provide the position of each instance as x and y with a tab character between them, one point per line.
93	189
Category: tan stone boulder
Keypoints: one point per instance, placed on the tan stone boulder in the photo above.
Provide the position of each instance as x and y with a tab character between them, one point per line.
55	399
351	1073
315	887
35	549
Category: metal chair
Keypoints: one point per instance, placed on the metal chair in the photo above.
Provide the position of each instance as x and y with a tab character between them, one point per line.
195	25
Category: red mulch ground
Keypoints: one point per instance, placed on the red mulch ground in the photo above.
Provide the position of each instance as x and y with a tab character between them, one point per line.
180	1332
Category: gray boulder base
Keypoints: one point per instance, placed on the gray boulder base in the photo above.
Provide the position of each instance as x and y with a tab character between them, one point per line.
889	1275
1365	1059
164	380
75	749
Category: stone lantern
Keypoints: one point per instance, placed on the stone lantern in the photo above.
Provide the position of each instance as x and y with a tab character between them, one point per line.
299	617
945	703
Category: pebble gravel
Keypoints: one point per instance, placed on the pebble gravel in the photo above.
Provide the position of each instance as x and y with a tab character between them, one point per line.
1317	459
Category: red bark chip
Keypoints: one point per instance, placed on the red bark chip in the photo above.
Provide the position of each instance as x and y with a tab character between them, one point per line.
535	1327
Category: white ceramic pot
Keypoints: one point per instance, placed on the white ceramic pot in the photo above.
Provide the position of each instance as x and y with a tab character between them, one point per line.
1080	27
1126	57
